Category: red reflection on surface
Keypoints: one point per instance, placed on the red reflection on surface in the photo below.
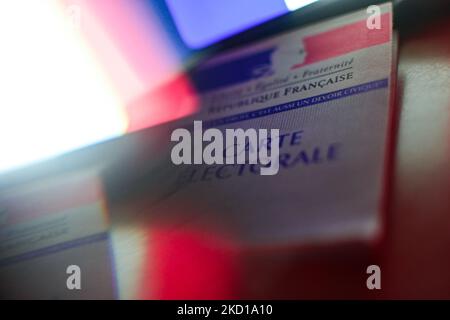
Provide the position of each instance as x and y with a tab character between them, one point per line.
190	264
171	101
138	58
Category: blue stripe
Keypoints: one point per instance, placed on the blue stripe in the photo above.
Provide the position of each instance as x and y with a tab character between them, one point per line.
232	72
55	248
302	103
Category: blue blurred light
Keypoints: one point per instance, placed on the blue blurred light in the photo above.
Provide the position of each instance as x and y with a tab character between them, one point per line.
204	22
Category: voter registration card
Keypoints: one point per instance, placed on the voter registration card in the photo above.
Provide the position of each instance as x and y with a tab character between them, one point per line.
327	89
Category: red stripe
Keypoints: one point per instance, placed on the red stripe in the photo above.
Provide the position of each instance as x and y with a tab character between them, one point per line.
345	39
171	101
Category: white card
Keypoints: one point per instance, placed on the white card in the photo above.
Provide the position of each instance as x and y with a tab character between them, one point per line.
326	87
